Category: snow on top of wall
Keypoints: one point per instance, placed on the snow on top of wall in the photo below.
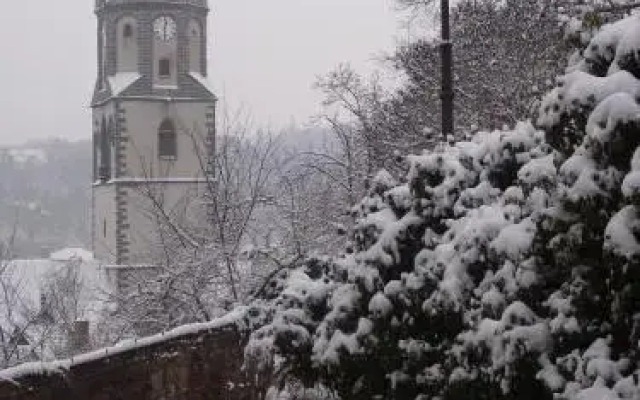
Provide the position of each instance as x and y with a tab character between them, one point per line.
131	344
33	369
59	366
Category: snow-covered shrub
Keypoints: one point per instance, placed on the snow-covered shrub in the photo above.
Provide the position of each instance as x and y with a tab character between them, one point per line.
591	250
385	319
503	267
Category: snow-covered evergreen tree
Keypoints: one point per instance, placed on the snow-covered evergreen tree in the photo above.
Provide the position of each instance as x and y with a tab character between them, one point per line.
503	267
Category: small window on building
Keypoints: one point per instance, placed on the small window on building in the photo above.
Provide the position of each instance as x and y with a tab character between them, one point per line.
104	228
164	68
127	31
167	140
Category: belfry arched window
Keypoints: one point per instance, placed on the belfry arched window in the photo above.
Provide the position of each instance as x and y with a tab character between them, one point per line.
127	45
194	34
167	140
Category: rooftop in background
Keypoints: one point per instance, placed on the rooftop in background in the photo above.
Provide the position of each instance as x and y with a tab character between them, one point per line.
72	254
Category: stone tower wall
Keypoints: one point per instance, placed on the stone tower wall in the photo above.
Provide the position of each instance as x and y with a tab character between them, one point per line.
125	229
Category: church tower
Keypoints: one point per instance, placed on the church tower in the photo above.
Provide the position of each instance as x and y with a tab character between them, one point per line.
153	126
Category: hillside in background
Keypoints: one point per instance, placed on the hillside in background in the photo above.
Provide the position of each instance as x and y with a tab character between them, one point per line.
45	191
45	196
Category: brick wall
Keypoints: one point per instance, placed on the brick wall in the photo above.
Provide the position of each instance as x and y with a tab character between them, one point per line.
206	365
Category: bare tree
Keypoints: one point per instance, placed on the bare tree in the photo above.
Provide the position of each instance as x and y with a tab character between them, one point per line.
506	53
243	167
42	329
366	127
17	317
201	271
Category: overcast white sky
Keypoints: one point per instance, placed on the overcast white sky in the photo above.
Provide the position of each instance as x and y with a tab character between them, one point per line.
264	54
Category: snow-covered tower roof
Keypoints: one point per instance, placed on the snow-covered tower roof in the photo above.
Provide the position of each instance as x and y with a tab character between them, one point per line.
134	36
197	3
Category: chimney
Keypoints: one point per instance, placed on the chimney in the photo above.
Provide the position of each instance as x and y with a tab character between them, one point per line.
80	337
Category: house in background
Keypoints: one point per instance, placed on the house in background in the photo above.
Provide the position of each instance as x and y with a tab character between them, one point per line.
49	306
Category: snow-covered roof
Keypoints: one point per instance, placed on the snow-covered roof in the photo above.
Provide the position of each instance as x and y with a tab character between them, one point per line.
29	277
121	81
201	79
71	254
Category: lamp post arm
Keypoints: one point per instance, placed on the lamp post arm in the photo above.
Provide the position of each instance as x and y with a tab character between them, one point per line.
446	50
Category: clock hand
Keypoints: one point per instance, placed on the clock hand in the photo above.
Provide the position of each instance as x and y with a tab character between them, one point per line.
166	25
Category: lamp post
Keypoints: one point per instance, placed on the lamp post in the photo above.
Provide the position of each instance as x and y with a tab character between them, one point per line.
446	50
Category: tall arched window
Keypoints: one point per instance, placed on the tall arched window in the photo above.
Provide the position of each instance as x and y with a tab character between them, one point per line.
127	45
105	152
111	129
97	155
167	140
194	34
127	31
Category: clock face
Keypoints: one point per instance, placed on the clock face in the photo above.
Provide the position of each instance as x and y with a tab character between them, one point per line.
165	29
